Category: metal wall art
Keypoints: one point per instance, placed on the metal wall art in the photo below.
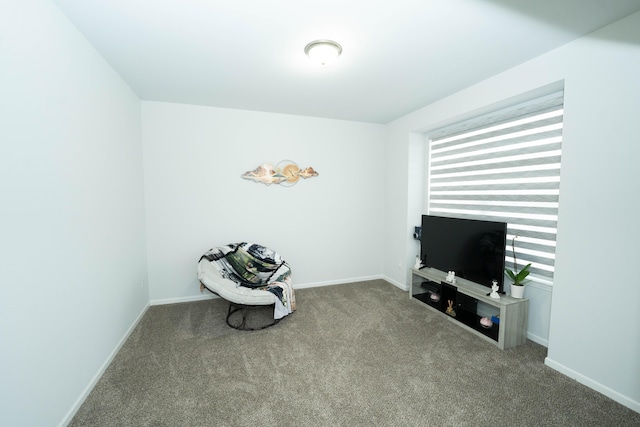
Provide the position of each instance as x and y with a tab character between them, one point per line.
286	173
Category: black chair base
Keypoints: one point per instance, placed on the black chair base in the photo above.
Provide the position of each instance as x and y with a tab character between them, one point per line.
243	311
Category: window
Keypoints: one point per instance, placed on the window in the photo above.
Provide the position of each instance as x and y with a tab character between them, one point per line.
504	167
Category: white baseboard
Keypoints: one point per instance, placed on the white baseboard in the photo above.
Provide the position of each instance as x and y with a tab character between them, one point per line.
402	286
208	295
85	393
600	388
202	297
336	282
538	340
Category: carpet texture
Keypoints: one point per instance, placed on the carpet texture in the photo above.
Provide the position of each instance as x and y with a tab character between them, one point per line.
359	354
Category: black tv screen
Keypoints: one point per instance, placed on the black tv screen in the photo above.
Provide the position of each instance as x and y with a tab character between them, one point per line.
474	249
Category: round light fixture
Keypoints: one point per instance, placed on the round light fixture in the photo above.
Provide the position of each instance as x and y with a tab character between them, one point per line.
324	52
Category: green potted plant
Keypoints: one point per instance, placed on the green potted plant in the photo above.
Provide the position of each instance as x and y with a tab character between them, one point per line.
517	277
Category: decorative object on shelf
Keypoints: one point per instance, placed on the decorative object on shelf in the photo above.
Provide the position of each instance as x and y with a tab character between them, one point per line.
517	291
451	277
486	323
450	311
494	290
434	296
286	173
418	265
517	277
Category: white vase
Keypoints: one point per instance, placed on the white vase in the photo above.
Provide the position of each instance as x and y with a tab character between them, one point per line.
517	291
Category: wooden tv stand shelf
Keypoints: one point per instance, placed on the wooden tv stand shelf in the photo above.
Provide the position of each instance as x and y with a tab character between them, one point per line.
471	302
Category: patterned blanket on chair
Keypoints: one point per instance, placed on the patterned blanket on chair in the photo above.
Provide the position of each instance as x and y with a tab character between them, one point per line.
255	266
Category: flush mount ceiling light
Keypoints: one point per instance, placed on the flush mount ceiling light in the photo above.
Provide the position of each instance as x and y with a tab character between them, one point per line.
324	52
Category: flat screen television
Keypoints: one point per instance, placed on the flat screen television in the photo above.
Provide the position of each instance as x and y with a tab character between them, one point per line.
474	249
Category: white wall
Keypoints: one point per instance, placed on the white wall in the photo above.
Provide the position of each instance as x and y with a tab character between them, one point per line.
73	277
594	327
328	228
71	217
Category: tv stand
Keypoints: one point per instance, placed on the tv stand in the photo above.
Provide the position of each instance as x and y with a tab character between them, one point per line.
471	303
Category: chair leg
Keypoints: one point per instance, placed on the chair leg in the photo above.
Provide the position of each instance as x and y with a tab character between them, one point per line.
234	308
245	309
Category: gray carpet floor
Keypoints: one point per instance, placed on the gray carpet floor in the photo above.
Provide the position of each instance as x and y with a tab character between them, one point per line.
359	354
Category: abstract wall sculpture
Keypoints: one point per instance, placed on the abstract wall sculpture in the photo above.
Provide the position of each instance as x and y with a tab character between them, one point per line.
286	173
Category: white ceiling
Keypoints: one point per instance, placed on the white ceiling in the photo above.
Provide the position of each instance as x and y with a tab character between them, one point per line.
398	55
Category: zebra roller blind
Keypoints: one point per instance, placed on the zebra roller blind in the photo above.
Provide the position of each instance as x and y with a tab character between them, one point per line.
504	167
